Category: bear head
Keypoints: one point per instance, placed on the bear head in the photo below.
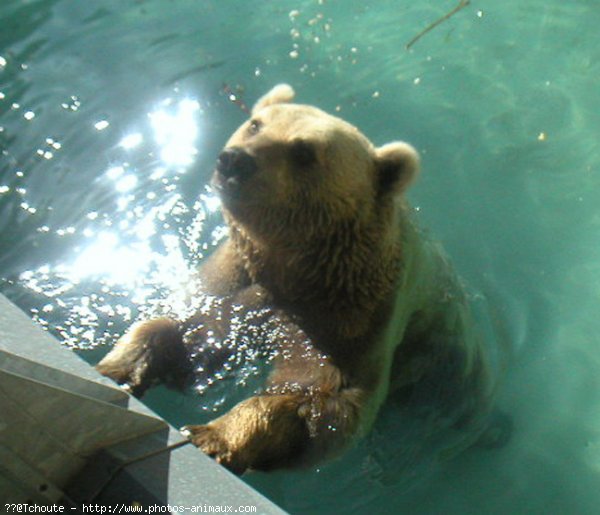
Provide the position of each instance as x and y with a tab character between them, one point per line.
292	172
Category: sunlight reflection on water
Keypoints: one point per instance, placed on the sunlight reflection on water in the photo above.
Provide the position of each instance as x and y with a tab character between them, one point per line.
176	131
144	252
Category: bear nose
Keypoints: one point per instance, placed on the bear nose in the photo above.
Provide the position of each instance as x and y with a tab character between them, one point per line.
234	162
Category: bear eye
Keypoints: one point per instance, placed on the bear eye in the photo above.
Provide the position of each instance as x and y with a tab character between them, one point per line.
254	127
303	154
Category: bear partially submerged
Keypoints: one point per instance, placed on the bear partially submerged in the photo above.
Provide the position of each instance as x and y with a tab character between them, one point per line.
323	247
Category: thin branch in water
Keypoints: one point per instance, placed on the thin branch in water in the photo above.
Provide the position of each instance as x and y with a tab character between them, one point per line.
461	5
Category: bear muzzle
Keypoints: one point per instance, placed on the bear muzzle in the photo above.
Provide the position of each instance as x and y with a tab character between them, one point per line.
234	166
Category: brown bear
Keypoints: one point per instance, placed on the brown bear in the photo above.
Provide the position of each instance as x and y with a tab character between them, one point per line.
324	257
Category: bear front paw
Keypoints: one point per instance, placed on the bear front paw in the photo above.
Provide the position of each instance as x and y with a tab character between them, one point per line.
209	440
129	369
151	352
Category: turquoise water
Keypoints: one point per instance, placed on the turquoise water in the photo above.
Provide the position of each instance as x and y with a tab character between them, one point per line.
112	113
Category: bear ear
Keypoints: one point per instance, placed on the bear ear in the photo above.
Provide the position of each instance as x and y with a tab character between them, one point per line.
397	167
280	94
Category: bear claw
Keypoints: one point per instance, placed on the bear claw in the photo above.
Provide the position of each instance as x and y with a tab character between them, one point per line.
208	440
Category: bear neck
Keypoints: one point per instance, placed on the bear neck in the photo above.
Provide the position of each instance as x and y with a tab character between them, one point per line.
341	278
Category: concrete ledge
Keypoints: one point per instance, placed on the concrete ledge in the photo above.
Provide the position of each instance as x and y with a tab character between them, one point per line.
68	435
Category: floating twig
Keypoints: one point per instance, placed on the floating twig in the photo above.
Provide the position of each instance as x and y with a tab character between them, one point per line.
461	5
